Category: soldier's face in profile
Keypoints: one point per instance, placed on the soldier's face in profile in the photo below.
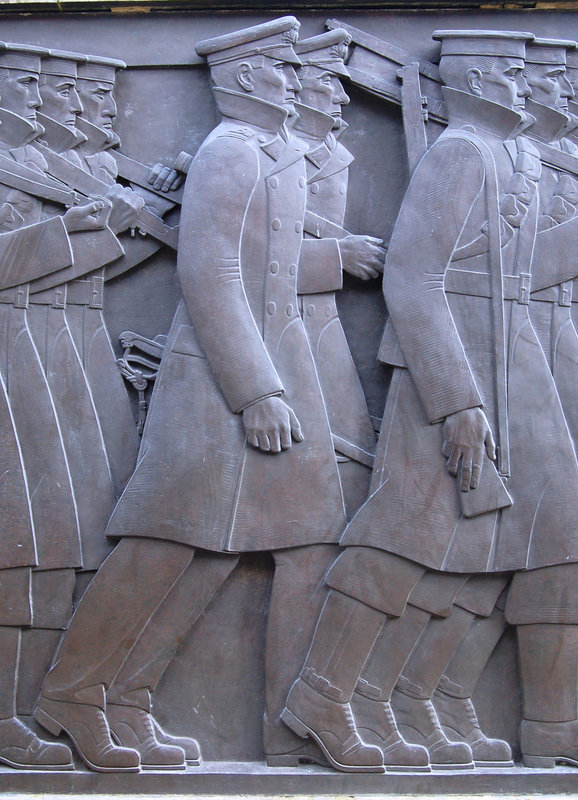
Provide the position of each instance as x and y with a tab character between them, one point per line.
98	105
60	99
277	83
323	91
505	84
19	93
549	85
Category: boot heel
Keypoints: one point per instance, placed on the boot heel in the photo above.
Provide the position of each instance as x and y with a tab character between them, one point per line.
47	722
539	762
292	722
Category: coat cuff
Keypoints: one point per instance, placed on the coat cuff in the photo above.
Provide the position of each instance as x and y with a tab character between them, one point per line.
320	268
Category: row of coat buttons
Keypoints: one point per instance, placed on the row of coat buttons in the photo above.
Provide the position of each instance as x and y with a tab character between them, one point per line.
274	182
328	311
314	188
274	268
272	308
276	225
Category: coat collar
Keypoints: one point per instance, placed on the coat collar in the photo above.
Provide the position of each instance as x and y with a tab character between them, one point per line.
311	123
549	124
483	115
97	139
16	131
59	137
250	110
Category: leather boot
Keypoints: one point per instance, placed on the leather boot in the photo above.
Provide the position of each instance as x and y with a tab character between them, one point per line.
132	727
545	744
187	744
331	725
376	725
460	723
418	723
20	748
87	728
283	748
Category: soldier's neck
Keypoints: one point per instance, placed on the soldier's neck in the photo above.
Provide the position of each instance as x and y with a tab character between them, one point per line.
486	117
250	110
58	137
97	139
549	124
16	131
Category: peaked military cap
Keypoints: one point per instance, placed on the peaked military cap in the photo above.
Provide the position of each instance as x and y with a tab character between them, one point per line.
274	39
572	56
483	43
21	56
62	62
327	51
98	68
548	51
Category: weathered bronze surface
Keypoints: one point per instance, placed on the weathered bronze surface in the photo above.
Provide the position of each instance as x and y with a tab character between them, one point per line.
310	521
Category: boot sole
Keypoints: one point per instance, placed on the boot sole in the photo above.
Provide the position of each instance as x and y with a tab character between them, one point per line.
547	762
404	768
453	767
56	729
302	730
182	765
493	764
37	767
290	760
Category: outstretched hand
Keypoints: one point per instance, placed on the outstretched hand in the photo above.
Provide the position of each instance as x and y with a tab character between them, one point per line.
165	179
270	425
467	434
362	256
93	216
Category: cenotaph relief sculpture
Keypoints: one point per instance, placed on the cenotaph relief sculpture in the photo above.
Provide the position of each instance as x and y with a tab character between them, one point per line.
399	554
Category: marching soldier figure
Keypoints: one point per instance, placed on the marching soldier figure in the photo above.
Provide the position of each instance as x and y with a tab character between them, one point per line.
224	465
328	251
41	545
457	286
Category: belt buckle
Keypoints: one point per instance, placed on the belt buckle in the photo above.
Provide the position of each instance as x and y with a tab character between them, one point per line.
96	292
59	297
524	287
22	294
565	297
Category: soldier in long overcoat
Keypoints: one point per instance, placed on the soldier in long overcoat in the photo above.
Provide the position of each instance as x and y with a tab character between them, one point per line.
41	545
217	467
468	362
328	252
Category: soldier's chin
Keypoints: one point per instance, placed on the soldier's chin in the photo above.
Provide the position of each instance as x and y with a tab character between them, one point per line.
289	106
337	123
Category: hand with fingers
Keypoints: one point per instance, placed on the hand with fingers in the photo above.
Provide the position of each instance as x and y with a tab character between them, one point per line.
467	434
165	179
271	425
93	216
362	256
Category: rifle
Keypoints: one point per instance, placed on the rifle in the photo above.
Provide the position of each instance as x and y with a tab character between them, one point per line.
86	184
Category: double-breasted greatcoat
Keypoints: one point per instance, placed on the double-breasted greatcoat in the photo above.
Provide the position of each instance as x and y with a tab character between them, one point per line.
237	338
438	287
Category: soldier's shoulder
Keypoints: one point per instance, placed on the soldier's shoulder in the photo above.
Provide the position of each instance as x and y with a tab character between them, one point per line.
234	130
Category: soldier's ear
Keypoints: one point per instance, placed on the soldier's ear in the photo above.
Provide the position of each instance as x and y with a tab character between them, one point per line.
474	80
245	76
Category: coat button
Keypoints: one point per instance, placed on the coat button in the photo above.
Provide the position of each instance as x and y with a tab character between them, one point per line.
298	227
302	182
271	308
274	267
292	269
314	188
262	139
328	312
276	224
274	182
342	189
289	310
310	310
